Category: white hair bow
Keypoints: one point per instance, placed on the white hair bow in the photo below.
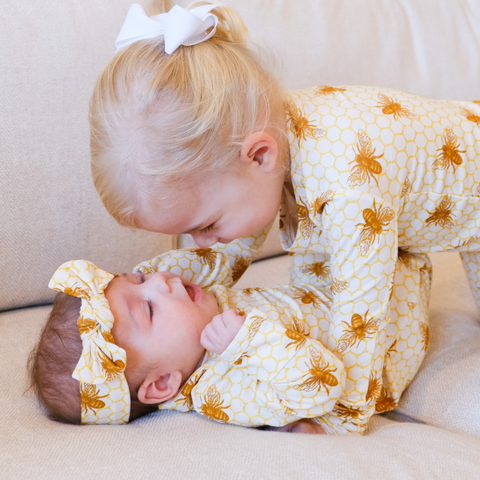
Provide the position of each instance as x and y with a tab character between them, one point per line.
178	26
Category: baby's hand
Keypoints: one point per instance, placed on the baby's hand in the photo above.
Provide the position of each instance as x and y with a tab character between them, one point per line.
219	333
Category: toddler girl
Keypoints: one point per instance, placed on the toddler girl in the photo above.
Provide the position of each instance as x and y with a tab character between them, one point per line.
202	140
265	363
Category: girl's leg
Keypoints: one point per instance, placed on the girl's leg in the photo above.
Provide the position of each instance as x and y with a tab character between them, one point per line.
408	329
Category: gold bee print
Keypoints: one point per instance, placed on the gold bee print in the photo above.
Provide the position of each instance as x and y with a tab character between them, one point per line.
319	269
296	332
442	215
325	91
306	225
338	286
242	357
212	408
147	270
465	243
425	334
346	412
301	126
206	256
286	410
406	258
471	116
187	390
86	325
392	350
385	402
108	337
319	375
89	398
256	324
307	297
406	189
110	366
375	221
79	292
289	412
359	329
318	205
426	270
249	291
239	267
411	306
366	163
374	387
390	295
449	153
390	106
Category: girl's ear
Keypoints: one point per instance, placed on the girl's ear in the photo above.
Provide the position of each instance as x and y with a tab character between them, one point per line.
159	388
262	148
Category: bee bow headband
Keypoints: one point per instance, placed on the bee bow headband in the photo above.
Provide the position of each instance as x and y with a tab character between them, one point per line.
104	392
178	26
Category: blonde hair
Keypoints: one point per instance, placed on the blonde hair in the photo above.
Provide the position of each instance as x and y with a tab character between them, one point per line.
159	119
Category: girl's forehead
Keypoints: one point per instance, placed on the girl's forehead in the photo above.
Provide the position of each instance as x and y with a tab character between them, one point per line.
185	215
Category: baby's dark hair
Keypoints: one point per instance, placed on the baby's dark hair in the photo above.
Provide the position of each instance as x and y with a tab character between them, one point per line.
54	358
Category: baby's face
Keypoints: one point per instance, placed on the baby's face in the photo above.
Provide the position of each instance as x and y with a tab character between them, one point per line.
160	317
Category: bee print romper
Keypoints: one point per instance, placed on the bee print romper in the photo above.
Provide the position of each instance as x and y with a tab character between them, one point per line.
379	179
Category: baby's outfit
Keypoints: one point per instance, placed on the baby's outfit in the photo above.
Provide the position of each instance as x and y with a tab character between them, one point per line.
379	179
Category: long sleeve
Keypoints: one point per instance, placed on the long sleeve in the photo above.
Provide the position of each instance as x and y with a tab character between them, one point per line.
269	375
222	264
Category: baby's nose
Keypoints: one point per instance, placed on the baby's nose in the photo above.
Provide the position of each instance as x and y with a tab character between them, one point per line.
160	281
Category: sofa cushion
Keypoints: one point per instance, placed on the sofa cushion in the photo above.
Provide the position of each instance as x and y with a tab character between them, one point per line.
50	56
446	389
172	445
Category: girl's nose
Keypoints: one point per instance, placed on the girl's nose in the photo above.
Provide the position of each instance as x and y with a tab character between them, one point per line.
203	241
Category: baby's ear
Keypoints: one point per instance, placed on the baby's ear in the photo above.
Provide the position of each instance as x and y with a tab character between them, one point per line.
159	388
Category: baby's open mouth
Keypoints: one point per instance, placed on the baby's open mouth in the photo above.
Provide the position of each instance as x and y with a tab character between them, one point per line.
190	292
194	291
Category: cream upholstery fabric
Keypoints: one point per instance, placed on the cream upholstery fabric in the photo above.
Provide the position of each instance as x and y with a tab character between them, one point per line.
171	445
427	47
50	55
446	390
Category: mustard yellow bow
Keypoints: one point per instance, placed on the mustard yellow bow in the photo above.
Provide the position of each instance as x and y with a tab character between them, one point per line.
102	362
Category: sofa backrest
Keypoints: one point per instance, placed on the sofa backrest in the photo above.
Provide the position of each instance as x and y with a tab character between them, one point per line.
52	52
50	56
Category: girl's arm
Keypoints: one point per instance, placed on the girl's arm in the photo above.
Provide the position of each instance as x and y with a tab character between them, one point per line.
221	264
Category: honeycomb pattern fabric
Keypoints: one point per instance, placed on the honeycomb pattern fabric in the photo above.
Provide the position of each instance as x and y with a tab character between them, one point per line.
373	170
278	368
104	392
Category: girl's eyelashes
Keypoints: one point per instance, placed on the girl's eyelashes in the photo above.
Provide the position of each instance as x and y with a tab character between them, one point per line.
150	308
207	229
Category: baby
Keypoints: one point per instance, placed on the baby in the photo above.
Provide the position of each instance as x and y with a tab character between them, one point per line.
261	361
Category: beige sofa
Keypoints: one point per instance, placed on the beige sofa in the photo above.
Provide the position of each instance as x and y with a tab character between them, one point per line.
50	55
